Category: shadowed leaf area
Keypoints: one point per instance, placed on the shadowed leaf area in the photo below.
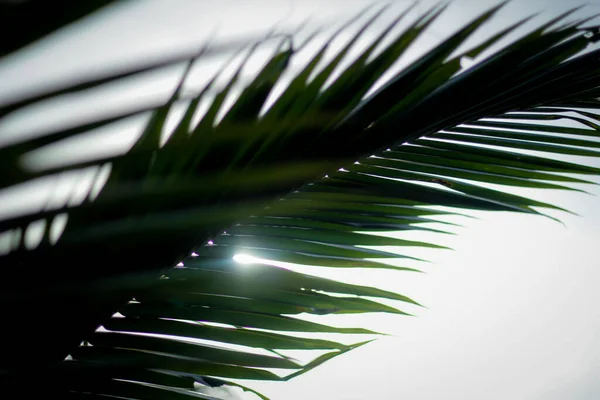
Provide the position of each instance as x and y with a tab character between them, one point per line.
138	295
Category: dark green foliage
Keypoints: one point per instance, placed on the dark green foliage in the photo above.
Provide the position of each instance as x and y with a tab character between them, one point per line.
302	182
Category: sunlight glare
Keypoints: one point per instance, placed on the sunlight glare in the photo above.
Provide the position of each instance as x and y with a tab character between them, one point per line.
246	259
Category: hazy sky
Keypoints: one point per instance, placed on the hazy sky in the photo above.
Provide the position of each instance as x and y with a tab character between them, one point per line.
511	312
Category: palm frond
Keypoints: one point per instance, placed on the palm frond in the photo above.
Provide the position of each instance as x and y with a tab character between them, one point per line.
311	179
16	19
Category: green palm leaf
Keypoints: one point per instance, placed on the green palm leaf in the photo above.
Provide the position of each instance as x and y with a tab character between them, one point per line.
310	180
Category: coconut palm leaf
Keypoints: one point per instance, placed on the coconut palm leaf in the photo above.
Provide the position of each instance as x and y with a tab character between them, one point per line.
19	30
139	296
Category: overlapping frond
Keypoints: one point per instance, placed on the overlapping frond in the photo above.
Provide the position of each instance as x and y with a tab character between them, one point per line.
307	180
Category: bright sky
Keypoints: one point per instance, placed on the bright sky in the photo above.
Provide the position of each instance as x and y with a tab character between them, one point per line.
511	312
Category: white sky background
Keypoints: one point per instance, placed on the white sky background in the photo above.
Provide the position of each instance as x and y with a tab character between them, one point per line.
512	311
